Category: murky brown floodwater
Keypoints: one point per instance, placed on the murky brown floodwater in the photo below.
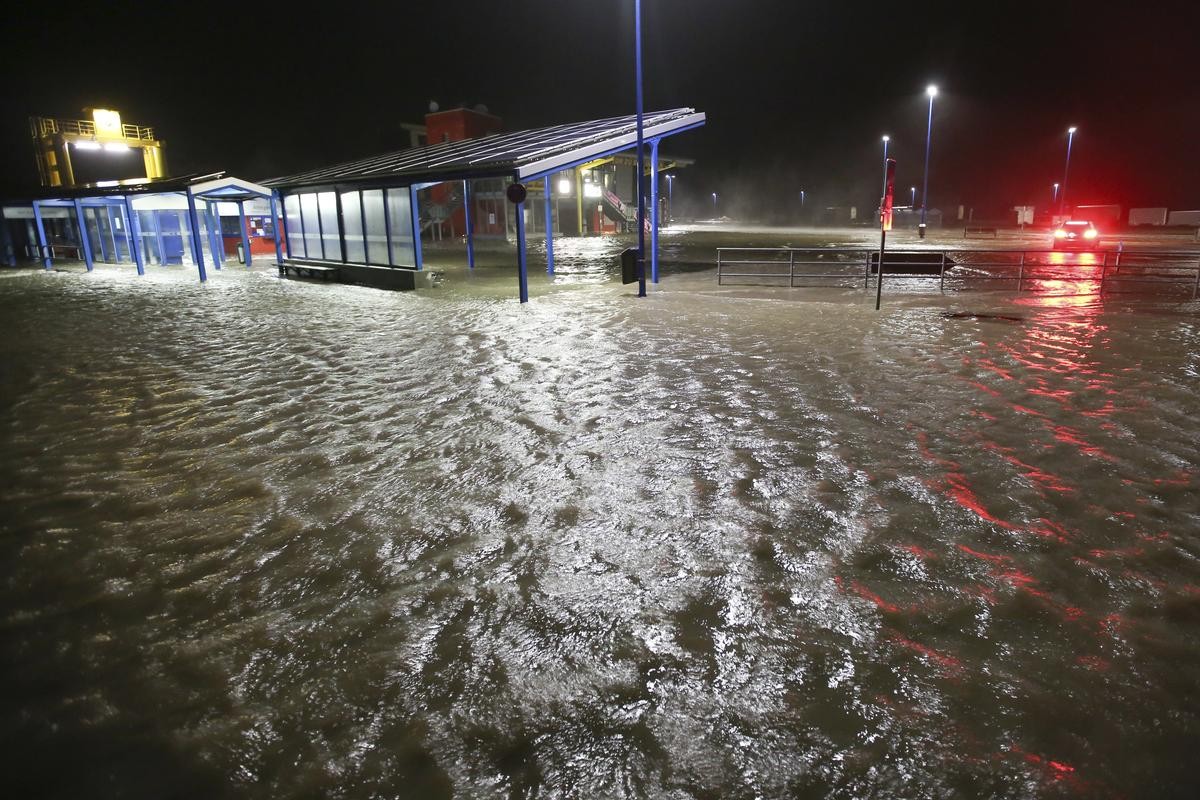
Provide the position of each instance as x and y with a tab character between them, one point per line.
269	539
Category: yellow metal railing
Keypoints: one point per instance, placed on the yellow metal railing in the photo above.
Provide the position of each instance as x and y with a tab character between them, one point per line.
45	126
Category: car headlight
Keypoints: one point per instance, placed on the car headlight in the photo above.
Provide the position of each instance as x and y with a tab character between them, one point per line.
1090	233
1060	234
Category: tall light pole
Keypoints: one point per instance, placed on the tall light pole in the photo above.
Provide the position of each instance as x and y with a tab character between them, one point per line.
931	90
914	198
670	199
714	205
886	139
801	201
1053	194
1062	195
641	165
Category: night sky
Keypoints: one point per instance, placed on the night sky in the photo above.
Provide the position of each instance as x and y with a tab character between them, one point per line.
797	93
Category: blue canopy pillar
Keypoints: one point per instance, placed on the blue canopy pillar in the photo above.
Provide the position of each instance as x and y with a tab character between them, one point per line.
215	242
244	230
194	225
43	248
416	226
133	234
85	244
467	223
654	210
276	219
10	255
549	225
522	275
158	239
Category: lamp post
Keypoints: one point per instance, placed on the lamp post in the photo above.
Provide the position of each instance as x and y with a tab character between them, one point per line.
914	198
932	91
886	139
670	199
714	205
1062	195
801	201
1053	194
641	155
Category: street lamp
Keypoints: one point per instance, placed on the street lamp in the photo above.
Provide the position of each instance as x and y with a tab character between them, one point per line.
914	199
801	201
1062	196
670	199
1054	194
886	139
714	205
932	91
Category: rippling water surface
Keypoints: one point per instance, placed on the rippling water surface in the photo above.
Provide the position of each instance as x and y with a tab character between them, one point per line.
275	539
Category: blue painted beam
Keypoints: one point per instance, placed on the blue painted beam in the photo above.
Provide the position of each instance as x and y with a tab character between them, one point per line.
133	235
522	275
158	239
467	220
194	225
549	225
416	226
10	254
654	210
216	244
85	246
245	231
572	164
43	248
276	220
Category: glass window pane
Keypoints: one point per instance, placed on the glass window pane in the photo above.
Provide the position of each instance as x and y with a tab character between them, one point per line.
400	216
295	235
352	224
312	225
377	252
330	231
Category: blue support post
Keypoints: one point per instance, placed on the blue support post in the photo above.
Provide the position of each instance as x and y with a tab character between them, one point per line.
85	246
194	224
10	255
416	226
100	235
158	239
641	153
522	276
275	223
467	221
216	242
245	231
549	226
654	210
112	229
133	235
43	248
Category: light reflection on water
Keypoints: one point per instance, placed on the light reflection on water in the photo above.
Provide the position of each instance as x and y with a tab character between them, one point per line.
276	539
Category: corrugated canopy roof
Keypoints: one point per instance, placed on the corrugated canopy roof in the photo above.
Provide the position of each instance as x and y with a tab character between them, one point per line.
520	154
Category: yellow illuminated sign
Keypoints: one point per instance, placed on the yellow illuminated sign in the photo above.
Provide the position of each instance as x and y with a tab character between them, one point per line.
107	122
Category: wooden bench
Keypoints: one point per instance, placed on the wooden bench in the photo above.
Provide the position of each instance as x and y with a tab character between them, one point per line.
310	271
977	230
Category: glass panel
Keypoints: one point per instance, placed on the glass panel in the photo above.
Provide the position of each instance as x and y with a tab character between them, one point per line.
400	216
312	225
295	233
377	252
352	223
329	226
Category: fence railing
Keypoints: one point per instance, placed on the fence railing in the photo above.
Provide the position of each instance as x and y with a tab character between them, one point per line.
45	126
772	266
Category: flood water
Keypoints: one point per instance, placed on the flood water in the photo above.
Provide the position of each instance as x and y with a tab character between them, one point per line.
275	539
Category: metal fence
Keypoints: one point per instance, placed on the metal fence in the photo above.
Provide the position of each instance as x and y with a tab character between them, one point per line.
833	266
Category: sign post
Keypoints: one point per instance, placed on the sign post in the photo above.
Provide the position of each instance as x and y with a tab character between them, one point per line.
885	224
516	194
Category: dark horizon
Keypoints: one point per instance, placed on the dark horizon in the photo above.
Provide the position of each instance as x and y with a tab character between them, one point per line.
796	98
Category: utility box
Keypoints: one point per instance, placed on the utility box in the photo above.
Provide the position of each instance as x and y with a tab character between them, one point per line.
629	265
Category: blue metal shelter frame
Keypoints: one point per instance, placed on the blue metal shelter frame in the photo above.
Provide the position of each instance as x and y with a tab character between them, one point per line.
521	156
118	198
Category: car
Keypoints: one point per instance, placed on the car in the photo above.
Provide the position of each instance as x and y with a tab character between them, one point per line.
1076	234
